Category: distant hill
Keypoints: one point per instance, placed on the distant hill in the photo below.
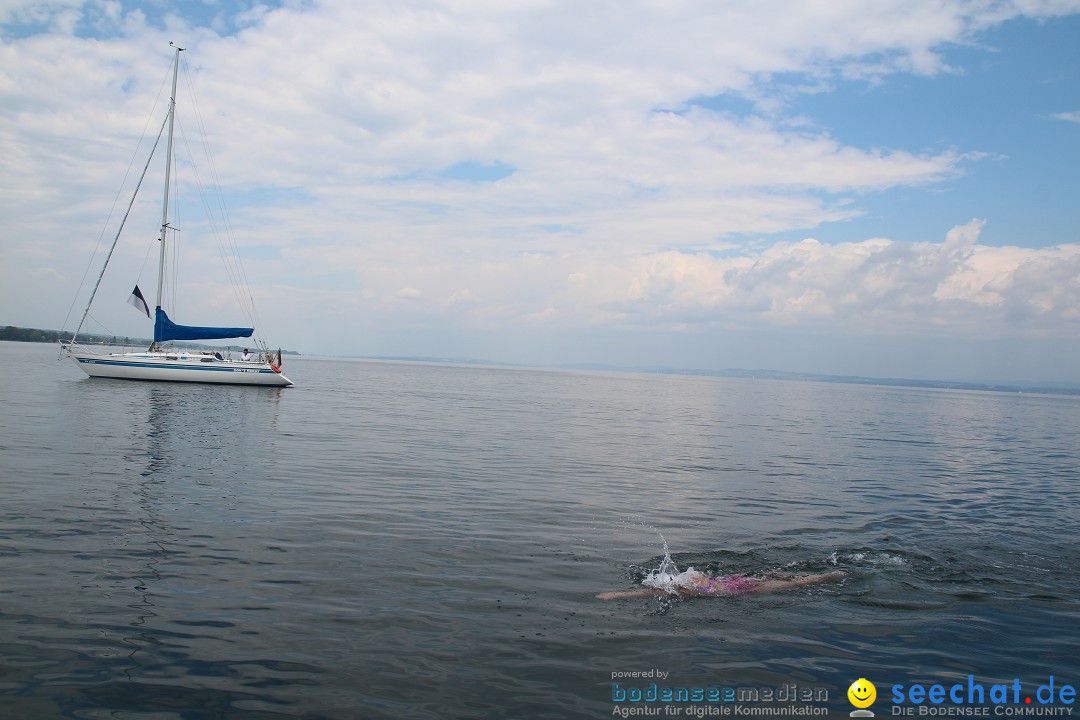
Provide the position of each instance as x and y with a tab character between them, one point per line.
19	334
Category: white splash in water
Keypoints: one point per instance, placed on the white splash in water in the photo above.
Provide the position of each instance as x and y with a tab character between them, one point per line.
881	558
667	577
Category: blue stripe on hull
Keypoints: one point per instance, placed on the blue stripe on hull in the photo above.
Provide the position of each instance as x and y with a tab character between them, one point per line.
170	366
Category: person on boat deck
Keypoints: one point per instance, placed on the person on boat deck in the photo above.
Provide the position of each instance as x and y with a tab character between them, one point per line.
246	356
693	583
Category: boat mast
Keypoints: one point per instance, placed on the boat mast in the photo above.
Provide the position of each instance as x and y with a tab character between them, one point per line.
168	169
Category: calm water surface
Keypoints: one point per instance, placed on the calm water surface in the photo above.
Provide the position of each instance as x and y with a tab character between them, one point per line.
392	540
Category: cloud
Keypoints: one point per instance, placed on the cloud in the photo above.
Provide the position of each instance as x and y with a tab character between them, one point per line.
877	287
874	286
1068	116
561	92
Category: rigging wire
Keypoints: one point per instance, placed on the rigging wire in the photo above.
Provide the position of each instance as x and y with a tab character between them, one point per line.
119	193
230	257
217	214
117	238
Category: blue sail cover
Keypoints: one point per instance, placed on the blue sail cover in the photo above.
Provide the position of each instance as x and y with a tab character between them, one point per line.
166	329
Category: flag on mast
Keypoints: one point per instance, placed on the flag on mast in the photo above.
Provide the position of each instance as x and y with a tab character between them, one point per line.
138	301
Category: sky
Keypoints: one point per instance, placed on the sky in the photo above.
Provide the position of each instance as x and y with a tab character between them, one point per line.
886	189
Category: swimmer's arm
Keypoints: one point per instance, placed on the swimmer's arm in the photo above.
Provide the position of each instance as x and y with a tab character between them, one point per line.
620	594
770	586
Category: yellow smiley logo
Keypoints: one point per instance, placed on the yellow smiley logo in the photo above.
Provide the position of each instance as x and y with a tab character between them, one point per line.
862	693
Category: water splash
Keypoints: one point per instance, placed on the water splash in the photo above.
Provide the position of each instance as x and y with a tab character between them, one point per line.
867	558
667	577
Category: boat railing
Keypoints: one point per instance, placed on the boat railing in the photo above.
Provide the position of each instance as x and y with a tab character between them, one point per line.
260	358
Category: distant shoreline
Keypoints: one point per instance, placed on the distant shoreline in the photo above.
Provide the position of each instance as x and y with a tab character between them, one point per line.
18	334
11	333
1040	388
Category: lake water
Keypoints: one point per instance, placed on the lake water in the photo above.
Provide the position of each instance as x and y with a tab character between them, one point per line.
392	540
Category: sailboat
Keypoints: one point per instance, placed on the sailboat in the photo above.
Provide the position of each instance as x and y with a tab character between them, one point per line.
163	362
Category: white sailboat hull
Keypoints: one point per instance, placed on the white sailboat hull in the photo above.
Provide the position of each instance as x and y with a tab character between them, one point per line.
177	367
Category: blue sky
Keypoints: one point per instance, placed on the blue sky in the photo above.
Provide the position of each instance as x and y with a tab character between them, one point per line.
999	101
878	189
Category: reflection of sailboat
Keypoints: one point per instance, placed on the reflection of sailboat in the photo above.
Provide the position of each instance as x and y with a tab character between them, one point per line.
161	363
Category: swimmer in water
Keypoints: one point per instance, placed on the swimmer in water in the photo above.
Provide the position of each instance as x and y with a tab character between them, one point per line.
694	583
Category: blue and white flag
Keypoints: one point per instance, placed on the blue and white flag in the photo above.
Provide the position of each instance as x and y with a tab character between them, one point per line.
138	301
